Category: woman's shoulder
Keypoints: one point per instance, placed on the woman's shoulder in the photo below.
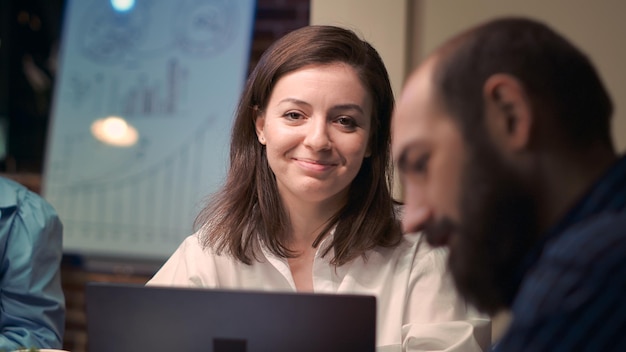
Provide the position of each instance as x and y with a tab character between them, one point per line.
414	251
412	246
196	245
193	263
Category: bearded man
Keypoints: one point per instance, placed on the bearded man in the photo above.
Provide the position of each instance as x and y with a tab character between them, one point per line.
502	138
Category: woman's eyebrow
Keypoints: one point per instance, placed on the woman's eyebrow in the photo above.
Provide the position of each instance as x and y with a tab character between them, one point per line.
356	107
294	101
341	107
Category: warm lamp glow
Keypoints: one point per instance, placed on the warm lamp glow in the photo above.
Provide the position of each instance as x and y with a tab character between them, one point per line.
115	131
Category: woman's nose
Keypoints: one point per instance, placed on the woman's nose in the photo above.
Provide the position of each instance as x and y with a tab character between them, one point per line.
318	137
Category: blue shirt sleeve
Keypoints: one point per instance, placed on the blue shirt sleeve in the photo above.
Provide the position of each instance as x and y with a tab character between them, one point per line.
32	305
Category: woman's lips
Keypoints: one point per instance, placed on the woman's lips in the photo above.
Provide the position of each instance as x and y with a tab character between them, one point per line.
315	165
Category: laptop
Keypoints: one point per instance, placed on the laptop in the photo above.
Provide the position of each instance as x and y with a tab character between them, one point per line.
125	318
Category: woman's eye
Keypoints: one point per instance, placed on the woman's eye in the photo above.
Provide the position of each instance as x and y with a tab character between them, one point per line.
292	115
346	122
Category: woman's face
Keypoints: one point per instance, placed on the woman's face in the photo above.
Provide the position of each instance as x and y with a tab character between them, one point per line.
316	127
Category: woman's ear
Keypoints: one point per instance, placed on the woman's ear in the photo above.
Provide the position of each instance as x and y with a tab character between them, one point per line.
508	113
259	123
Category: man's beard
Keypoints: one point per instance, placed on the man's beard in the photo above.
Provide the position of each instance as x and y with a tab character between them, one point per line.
497	228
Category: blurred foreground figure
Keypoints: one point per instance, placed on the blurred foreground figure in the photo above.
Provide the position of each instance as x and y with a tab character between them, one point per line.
503	140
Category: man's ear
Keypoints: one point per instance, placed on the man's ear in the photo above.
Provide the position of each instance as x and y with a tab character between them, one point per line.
508	112
259	123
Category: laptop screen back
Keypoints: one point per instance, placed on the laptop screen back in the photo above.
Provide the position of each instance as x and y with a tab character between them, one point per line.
134	318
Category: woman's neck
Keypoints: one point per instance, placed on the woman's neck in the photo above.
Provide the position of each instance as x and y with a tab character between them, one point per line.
307	222
308	219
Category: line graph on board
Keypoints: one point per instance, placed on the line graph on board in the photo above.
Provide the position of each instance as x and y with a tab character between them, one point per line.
103	210
173	71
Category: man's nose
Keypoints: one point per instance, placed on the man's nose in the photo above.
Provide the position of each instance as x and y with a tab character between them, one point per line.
416	210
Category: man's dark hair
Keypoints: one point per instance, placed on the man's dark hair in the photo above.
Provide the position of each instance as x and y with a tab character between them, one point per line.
559	79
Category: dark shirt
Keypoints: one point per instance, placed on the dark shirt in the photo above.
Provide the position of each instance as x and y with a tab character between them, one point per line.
573	288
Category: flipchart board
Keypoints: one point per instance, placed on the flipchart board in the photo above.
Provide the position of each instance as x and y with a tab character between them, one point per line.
143	106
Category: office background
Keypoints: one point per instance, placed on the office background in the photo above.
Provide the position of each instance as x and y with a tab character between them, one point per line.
403	31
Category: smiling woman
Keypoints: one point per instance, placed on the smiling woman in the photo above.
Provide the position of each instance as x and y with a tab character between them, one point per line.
283	98
307	207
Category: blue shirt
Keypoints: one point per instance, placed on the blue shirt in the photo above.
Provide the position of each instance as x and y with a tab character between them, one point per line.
32	306
572	288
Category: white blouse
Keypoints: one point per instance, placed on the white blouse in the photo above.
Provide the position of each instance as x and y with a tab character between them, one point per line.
418	307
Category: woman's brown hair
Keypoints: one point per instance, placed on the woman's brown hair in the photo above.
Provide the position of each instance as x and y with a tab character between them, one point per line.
248	211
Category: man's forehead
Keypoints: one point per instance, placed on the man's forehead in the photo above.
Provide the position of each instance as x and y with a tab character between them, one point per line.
420	81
